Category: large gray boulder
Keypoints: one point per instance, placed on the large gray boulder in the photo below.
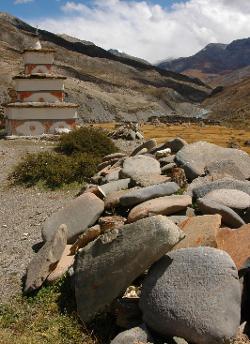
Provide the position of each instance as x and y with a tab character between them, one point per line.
45	261
107	266
195	294
195	157
225	183
229	216
78	215
136	335
141	195
140	165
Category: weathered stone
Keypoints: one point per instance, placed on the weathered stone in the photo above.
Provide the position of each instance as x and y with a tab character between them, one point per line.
107	266
113	156
78	215
236	243
112	175
108	223
197	183
168	168
149	180
175	145
95	189
178	176
195	294
140	165
44	262
89	235
113	199
118	185
141	195
235	199
199	231
167	160
224	168
229	217
167	205
225	183
196	156
65	262
136	335
177	219
149	145
107	163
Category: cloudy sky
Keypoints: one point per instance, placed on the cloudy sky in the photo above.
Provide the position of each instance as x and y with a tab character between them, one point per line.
153	29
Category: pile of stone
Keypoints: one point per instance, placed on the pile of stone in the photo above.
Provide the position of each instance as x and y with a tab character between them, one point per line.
128	131
161	240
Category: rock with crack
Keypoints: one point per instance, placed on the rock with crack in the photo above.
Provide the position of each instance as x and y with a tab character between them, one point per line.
135	197
45	261
229	217
195	157
107	266
195	294
167	205
78	215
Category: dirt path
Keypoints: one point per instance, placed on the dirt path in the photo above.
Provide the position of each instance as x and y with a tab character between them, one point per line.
22	211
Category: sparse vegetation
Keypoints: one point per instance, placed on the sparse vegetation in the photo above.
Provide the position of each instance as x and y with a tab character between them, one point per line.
48	317
86	140
76	159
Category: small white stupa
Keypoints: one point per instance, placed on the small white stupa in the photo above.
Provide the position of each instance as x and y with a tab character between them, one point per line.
40	107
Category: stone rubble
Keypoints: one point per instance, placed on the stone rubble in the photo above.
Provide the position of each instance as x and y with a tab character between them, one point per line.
180	210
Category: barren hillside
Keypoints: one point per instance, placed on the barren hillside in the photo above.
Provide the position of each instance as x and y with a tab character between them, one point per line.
106	86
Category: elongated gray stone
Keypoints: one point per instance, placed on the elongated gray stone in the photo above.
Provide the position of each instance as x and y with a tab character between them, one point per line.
45	260
235	199
225	183
78	215
195	294
141	195
107	266
121	184
229	217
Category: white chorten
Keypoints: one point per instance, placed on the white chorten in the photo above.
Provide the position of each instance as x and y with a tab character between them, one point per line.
40	107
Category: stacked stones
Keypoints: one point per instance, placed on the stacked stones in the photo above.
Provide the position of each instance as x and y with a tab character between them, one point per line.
40	107
160	239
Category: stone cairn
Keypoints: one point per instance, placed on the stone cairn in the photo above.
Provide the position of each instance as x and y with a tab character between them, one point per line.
128	131
161	240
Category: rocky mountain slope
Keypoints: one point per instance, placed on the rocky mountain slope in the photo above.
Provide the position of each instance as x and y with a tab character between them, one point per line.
107	87
216	63
232	104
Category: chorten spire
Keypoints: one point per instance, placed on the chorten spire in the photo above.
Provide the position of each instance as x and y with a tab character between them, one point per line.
37	45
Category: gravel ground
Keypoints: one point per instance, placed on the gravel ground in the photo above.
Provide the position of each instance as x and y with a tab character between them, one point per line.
22	211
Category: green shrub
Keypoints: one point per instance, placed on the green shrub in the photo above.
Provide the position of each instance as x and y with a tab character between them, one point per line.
54	170
86	140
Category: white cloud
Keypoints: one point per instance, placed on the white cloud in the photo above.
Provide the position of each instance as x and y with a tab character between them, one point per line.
19	2
150	31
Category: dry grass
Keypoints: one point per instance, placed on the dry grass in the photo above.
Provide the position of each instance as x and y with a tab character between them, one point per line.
215	134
